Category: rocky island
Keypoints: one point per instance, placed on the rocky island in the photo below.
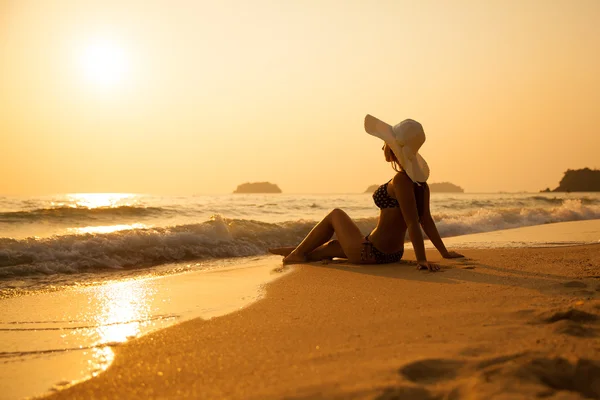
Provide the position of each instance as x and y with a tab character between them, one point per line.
579	180
257	187
442	187
445	187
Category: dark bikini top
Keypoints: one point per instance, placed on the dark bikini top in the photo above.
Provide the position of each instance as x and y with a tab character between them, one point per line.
383	200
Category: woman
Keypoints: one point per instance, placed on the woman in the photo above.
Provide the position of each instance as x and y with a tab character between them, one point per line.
404	204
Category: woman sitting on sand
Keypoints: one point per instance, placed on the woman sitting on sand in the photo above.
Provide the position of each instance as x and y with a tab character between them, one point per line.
404	204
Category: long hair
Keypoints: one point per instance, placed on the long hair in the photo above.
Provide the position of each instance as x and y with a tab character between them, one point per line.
391	158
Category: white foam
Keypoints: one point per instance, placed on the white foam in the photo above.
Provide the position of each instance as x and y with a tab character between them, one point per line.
547	235
112	247
493	219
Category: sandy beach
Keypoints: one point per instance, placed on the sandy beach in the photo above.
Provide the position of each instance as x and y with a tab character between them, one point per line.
501	323
157	162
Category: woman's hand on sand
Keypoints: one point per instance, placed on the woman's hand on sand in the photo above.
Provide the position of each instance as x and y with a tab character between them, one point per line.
427	265
452	254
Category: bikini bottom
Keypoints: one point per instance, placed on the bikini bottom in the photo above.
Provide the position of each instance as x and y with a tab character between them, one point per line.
369	252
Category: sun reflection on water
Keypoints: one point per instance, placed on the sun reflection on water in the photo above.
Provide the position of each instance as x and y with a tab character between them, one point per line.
124	309
96	200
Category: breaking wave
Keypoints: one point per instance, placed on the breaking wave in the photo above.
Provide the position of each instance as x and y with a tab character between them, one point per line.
224	238
72	214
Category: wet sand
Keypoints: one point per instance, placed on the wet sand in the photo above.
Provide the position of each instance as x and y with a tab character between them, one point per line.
52	339
501	323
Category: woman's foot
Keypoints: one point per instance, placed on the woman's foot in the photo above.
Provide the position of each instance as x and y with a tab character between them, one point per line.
281	251
294	258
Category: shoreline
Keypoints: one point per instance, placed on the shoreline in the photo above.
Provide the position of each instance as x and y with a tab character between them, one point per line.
556	234
68	336
501	321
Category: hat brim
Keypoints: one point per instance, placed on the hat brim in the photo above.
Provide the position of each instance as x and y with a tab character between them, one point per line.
416	167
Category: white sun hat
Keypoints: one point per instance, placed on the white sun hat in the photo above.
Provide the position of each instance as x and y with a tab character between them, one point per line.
405	140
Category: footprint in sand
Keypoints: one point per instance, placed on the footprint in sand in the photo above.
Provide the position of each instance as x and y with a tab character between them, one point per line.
572	314
524	375
573	322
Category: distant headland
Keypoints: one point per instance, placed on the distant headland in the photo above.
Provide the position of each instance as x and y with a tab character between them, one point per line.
257	187
578	180
442	187
445	187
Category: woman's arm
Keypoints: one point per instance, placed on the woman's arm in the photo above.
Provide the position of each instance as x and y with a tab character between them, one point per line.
430	229
403	190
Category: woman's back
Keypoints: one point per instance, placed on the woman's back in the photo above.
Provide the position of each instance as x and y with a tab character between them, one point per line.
390	231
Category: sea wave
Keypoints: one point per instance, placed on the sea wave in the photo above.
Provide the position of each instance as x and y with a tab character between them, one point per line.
560	200
493	219
223	238
458	203
217	238
71	214
550	200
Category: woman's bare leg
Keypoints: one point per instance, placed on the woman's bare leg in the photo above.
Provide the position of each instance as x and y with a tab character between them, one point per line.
281	251
326	251
337	221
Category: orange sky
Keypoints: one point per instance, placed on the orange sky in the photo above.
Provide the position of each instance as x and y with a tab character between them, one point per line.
197	97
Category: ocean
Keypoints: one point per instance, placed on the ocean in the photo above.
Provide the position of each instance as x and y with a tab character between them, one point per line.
73	239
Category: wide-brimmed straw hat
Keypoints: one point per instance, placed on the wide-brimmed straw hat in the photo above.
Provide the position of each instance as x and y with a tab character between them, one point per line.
405	140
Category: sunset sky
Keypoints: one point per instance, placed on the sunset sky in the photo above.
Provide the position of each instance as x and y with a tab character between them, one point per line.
196	97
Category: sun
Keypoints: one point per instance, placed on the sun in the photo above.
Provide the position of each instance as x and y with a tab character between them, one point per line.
104	63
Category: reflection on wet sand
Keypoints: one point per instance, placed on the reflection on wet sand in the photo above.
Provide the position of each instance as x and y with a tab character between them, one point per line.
52	340
124	308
